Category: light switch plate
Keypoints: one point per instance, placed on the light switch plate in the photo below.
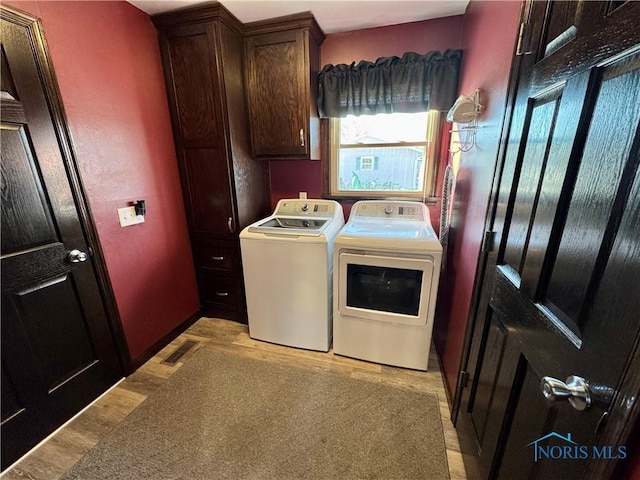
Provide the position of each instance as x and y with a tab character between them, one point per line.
128	217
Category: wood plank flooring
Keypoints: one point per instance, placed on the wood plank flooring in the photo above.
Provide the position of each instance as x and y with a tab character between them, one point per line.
61	451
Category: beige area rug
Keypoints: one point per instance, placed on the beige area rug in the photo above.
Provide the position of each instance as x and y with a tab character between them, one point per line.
225	416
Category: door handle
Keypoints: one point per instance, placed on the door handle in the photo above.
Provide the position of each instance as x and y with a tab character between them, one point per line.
77	256
302	137
230	224
575	389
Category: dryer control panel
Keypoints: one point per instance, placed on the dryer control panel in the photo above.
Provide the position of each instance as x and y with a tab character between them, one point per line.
402	210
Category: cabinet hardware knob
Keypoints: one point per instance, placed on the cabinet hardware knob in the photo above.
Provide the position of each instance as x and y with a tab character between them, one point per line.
222	294
217	258
302	137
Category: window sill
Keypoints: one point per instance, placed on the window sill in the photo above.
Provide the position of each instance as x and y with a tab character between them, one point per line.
352	199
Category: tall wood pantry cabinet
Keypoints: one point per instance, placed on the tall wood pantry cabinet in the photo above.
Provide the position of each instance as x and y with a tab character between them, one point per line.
283	59
224	187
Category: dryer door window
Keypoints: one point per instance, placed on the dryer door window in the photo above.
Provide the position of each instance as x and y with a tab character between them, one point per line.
388	289
395	290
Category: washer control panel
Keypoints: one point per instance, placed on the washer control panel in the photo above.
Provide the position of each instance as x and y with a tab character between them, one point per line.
313	208
403	210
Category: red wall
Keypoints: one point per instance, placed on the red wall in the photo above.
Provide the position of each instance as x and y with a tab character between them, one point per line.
488	41
372	43
107	61
289	177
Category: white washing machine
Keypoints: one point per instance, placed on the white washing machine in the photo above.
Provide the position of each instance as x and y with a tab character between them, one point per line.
287	264
386	271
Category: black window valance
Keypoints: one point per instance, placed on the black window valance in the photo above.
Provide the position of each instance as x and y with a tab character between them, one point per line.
413	83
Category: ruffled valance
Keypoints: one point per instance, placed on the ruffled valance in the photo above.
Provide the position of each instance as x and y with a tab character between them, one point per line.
413	83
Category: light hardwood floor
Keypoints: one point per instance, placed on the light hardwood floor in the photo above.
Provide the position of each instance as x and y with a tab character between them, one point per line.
65	448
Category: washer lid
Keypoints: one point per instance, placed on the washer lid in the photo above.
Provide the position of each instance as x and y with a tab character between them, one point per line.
290	226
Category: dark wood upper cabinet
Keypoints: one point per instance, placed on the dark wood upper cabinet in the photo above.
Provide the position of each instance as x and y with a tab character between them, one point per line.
283	59
224	187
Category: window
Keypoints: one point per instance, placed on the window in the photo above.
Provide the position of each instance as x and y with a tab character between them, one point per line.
367	162
384	155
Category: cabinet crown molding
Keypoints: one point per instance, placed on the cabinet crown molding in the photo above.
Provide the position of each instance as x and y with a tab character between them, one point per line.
210	11
304	20
213	11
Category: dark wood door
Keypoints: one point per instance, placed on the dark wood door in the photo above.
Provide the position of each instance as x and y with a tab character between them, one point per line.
560	294
196	103
278	93
58	351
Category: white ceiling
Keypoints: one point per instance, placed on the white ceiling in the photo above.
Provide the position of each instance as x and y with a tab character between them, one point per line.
332	15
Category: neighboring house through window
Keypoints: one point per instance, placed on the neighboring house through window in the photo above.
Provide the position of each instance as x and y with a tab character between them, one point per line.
366	162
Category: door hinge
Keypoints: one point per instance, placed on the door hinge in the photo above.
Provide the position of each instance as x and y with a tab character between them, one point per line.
488	241
520	49
464	379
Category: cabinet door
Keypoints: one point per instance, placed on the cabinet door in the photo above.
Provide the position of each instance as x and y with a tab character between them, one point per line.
207	191
217	257
277	71
221	294
195	99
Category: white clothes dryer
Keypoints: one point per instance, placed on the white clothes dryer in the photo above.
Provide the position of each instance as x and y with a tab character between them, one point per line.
287	259
386	271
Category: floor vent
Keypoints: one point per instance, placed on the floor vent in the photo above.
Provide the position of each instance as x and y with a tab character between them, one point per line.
179	352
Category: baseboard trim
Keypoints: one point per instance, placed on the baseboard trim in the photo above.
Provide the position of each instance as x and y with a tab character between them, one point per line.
448	394
216	312
140	360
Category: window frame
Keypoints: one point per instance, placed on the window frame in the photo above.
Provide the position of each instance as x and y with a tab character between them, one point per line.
435	125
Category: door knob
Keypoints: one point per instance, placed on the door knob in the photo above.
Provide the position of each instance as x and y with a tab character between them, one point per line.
575	389
77	256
